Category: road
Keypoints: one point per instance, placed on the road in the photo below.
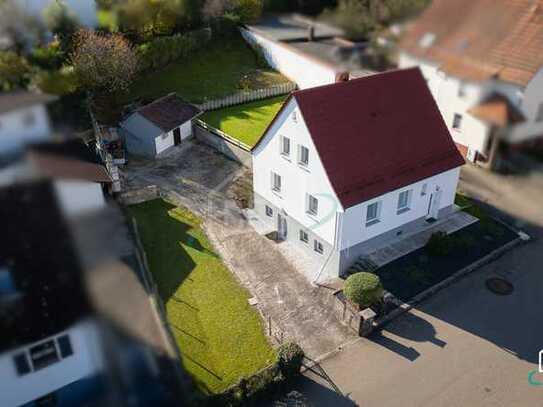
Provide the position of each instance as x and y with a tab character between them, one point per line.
465	346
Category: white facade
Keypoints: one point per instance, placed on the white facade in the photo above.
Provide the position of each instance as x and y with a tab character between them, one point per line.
79	197
339	228
23	126
305	71
86	361
166	140
455	97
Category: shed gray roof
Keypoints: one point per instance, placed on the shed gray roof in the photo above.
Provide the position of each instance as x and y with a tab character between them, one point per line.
14	100
293	27
169	112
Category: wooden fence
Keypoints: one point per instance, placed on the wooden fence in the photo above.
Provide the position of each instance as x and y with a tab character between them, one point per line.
248	96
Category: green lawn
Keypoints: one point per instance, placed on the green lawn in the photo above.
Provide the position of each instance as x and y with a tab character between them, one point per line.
219	335
245	122
216	70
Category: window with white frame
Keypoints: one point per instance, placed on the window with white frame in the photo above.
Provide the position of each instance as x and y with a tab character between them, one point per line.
404	199
312	205
461	90
294	117
303	156
457	121
318	247
42	355
304	237
276	182
424	190
285	146
269	211
372	213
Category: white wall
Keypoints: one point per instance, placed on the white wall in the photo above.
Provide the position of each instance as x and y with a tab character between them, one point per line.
354	229
14	133
85	361
186	130
474	133
79	197
304	70
296	181
163	142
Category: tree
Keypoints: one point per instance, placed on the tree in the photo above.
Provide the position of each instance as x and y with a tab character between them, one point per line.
62	22
103	63
354	17
14	71
363	289
21	30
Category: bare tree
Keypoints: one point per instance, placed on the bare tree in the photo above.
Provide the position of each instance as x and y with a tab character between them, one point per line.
104	64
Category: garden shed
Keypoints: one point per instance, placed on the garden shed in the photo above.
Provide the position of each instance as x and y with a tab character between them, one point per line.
158	126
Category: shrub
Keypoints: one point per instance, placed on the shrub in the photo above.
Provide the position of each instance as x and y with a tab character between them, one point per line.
14	71
289	358
363	289
61	82
161	51
48	57
439	244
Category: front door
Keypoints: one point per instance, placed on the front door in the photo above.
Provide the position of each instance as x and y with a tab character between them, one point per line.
281	227
433	206
177	136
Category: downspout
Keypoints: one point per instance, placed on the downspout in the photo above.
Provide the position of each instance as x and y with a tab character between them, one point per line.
331	252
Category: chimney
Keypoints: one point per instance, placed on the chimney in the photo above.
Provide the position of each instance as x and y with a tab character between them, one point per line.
310	33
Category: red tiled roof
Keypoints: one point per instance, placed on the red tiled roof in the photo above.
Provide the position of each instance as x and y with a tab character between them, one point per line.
57	166
497	110
480	39
377	134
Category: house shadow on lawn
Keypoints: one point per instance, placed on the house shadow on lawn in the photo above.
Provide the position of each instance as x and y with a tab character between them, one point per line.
511	322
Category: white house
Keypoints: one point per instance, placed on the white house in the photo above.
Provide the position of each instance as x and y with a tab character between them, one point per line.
345	167
307	52
483	62
158	126
23	120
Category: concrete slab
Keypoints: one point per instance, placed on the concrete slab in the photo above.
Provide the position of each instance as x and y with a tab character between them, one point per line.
409	243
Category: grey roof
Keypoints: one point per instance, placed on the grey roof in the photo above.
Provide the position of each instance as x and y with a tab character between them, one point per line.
293	27
21	98
169	112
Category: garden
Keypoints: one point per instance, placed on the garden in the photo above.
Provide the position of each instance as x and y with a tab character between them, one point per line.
219	335
246	122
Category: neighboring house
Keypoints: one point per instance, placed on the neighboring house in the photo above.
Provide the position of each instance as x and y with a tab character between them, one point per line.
84	11
158	126
67	310
23	120
483	62
309	53
345	167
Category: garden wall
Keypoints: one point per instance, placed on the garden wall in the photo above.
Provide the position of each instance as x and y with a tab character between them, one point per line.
232	149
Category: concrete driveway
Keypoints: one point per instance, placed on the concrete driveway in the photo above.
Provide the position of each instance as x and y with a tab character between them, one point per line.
195	176
465	346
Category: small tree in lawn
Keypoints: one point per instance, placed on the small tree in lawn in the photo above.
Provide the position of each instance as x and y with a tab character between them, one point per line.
363	289
104	63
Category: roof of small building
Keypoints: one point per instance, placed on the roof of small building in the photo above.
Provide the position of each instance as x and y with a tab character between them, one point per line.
377	133
169	112
481	39
497	110
289	27
10	101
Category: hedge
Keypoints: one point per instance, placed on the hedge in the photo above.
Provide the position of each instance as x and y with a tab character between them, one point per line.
163	50
265	384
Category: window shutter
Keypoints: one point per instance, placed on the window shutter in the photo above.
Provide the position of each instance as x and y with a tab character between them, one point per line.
65	346
21	364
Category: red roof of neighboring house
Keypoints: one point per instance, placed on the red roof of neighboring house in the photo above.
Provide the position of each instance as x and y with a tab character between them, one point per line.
377	134
497	110
481	39
57	166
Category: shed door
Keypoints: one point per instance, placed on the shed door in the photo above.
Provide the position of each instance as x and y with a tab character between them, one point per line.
177	136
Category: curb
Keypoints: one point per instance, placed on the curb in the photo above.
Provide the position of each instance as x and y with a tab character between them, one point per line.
406	307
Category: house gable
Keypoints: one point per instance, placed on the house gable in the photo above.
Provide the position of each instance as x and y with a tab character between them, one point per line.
297	181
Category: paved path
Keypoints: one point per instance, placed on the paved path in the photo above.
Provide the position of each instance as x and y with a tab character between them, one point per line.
465	346
282	292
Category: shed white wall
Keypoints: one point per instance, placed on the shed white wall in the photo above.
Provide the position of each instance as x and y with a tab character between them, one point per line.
14	133
79	197
354	229
86	361
163	142
297	182
303	70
